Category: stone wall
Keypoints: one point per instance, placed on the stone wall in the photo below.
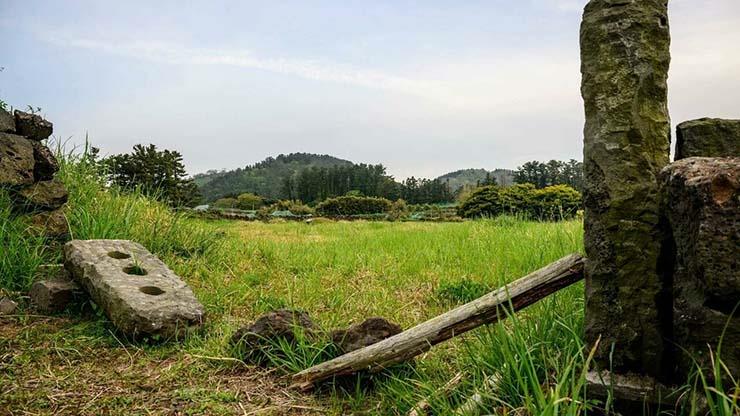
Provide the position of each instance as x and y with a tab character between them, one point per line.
27	169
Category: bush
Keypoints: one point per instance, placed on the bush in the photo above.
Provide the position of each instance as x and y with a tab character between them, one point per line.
226	203
296	208
249	201
353	205
550	203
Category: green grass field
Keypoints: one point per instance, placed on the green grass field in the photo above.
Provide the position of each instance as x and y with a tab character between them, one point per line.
338	272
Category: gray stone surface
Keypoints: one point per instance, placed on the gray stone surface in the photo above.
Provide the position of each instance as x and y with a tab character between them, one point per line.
32	126
46	163
53	296
708	137
254	342
7	122
363	334
42	196
7	306
16	160
624	62
137	291
702	205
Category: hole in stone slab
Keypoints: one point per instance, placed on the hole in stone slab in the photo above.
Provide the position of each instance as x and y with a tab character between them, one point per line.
118	255
135	270
151	290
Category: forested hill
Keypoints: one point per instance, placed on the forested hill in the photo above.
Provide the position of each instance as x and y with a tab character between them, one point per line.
473	177
265	178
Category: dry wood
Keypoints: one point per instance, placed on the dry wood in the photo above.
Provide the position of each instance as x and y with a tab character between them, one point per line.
484	310
424	405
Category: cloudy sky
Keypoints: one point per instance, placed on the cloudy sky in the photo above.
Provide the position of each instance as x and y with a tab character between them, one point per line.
424	87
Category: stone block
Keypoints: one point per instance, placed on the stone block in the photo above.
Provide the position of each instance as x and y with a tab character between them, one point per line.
7	306
46	164
42	196
136	290
702	206
16	160
53	296
366	333
708	137
32	126
625	58
7	122
52	224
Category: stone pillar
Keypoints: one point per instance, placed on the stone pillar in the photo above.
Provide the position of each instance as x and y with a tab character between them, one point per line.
624	62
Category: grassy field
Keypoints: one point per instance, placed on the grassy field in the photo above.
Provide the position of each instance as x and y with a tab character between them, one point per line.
338	272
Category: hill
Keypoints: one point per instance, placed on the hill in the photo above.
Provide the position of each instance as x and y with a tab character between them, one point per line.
264	178
471	177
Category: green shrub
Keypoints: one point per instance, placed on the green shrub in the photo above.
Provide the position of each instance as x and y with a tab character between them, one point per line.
353	205
296	208
550	203
226	203
249	201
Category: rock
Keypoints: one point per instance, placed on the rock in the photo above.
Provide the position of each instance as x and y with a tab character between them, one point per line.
7	122
368	332
32	126
708	137
702	206
42	196
624	63
7	307
16	160
52	224
137	291
255	341
53	296
46	164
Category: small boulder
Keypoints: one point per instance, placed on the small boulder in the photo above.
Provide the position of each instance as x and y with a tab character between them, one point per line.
7	306
708	137
46	163
32	126
52	224
254	341
7	122
42	196
53	296
368	332
16	160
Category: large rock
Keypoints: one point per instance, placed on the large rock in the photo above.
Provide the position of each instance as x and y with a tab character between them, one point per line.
366	333
624	62
708	137
258	340
53	296
7	122
32	126
16	160
46	163
7	306
52	224
702	205
136	290
42	196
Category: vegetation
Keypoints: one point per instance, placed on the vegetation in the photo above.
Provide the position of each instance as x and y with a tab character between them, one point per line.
158	174
473	178
554	172
353	205
339	272
549	203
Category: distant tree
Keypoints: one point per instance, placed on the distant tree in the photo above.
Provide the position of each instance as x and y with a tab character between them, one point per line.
249	201
226	203
554	172
159	174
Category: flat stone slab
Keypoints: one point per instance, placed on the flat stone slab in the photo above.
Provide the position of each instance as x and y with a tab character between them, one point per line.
136	290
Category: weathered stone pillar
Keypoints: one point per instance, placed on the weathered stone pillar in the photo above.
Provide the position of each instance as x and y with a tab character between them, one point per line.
624	62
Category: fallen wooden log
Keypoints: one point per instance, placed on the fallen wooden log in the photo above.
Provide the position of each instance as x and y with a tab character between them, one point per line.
484	310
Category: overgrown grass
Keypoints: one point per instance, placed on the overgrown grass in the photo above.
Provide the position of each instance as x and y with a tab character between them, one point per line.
340	273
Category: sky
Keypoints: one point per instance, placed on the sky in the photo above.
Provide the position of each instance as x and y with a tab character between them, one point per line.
424	87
